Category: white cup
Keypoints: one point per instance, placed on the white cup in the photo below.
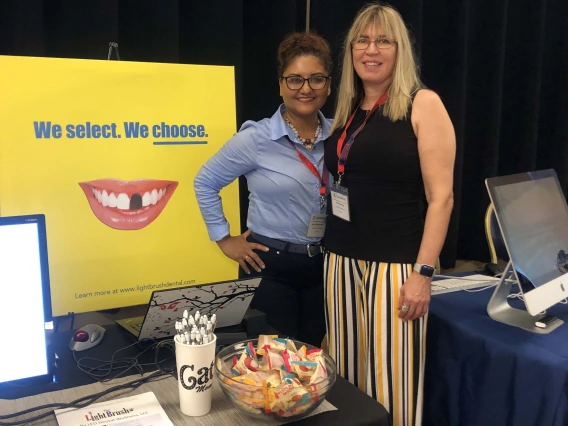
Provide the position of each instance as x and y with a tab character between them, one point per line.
195	376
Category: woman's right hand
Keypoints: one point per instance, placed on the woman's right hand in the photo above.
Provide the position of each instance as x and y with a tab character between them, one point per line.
241	251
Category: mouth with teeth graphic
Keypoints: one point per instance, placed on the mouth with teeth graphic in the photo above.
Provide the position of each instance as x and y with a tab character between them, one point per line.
128	205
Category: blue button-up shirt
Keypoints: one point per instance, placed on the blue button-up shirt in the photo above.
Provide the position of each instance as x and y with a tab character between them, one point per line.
284	193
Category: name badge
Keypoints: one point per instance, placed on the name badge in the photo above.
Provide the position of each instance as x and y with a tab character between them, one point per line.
317	226
340	202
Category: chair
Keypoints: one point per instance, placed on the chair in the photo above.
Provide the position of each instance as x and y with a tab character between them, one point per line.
495	240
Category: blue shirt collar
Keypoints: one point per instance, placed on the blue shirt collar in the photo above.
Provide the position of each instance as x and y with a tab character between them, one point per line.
279	128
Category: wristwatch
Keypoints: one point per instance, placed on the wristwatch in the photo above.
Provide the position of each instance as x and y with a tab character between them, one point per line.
425	270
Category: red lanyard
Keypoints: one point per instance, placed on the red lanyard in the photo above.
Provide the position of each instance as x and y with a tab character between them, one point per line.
322	179
343	150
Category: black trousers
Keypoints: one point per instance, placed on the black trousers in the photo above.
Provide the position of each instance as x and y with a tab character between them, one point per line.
291	294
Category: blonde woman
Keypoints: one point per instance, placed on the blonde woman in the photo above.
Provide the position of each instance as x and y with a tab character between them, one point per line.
392	142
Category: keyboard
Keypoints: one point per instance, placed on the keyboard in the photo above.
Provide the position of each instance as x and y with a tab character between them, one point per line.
449	285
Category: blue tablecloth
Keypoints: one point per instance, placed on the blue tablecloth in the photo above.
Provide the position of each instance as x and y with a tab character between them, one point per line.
480	372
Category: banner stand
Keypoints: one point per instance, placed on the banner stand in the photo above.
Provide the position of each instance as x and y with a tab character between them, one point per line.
112	45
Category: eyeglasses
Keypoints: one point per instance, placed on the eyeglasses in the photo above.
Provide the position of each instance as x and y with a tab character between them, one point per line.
363	43
316	82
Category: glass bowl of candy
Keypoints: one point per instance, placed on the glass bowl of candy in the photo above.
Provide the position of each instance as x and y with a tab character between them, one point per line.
272	377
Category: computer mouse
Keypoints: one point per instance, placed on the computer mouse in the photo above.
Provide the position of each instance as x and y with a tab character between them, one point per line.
86	337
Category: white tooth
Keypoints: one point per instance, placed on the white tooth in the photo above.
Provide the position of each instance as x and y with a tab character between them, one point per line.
160	194
98	195
112	200
146	199
104	198
154	196
123	202
165	190
93	190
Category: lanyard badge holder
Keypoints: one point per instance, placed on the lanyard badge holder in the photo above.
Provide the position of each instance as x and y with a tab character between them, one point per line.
340	194
316	227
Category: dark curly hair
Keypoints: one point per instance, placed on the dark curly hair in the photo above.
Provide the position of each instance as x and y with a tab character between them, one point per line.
303	44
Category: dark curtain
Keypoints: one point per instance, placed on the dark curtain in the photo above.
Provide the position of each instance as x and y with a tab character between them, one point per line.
500	68
242	33
265	24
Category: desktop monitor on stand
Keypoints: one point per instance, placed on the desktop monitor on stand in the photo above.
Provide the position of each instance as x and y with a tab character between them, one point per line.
26	302
533	216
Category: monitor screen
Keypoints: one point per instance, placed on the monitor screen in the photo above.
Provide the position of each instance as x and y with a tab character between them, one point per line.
533	217
25	303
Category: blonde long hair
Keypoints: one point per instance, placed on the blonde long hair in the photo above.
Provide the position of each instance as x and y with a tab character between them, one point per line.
406	79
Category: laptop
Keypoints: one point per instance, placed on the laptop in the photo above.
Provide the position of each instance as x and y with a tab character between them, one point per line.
228	300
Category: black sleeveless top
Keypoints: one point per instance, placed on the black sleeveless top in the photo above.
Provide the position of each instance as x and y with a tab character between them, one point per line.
386	192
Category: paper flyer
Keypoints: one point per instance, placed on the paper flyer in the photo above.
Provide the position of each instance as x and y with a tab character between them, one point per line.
137	410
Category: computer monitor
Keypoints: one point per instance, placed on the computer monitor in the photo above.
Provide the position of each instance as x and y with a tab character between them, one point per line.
533	216
26	302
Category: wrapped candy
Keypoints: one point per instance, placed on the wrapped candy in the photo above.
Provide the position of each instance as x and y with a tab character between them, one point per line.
250	350
286	344
272	360
248	407
223	368
319	383
258	378
293	356
285	373
319	375
255	401
252	399
291	346
268	397
268	340
304	369
276	377
294	411
302	352
278	345
289	357
244	364
238	367
227	373
314	355
286	395
252	379
273	378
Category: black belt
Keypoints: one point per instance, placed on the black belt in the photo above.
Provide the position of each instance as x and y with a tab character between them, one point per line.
311	249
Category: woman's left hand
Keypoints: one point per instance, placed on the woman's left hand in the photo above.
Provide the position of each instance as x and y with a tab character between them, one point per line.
414	294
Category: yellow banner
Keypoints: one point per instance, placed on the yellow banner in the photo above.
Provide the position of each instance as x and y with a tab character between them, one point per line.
108	151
